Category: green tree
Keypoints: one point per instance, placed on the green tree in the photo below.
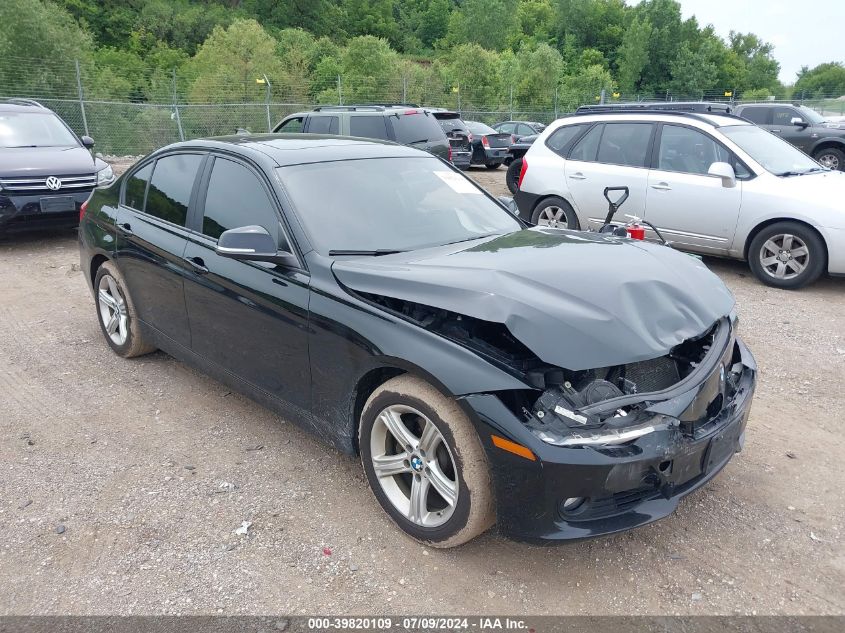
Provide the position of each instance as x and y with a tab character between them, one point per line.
825	79
694	72
665	19
372	17
540	70
423	22
474	73
229	63
39	42
633	55
370	71
484	22
761	67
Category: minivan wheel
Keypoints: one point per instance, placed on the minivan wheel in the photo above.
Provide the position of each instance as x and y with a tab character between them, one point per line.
512	175
831	158
787	255
425	464
556	213
492	165
116	314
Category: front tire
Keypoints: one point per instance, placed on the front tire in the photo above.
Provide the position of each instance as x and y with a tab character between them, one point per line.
425	463
555	213
787	255
832	158
116	314
512	176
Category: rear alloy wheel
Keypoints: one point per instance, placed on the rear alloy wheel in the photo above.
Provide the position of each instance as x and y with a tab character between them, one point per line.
787	255
116	314
512	176
831	158
555	213
425	463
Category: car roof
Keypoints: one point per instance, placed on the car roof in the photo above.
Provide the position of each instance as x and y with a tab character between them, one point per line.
295	149
22	105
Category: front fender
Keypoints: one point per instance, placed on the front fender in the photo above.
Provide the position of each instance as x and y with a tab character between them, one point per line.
838	141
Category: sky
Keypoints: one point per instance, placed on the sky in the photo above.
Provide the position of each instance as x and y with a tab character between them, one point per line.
802	34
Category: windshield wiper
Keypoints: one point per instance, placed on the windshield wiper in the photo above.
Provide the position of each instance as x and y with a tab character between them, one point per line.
374	253
470	239
801	173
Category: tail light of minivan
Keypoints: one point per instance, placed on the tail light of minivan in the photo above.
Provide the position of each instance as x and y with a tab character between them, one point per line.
83	208
522	171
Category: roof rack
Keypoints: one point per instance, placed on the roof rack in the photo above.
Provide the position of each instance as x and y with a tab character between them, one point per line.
21	101
348	108
703	107
389	105
656	108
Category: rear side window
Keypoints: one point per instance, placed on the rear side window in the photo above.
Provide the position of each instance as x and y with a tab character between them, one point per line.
368	126
755	115
323	125
171	186
586	148
560	140
417	127
136	187
236	198
625	144
506	128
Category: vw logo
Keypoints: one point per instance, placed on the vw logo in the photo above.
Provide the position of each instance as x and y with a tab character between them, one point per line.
53	183
416	463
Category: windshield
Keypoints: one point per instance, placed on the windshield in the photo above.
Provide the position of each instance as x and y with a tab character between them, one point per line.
390	204
773	153
480	128
33	129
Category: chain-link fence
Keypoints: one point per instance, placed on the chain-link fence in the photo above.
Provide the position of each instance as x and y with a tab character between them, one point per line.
140	109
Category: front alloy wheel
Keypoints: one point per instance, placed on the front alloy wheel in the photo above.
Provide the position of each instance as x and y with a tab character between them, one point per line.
784	256
787	255
832	158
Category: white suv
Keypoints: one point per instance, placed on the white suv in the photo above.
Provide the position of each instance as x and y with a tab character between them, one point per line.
714	184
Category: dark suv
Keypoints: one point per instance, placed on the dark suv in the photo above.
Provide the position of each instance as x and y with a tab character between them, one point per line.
405	124
804	128
46	171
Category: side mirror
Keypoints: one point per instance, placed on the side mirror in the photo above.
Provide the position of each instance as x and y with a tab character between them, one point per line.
725	172
87	141
796	120
509	204
252	243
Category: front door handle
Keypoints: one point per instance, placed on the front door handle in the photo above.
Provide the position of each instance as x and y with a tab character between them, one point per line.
578	176
197	264
125	228
662	186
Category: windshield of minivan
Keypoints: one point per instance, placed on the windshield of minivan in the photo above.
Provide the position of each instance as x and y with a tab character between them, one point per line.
390	204
773	153
33	129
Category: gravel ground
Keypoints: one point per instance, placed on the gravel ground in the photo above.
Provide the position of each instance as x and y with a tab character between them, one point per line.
124	483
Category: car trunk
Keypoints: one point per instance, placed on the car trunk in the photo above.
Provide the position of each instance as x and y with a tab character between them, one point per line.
498	140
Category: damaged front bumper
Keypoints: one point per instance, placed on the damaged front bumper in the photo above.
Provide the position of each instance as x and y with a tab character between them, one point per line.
632	477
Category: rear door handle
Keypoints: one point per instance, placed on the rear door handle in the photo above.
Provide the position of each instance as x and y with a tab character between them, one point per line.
125	227
578	176
662	186
776	131
197	264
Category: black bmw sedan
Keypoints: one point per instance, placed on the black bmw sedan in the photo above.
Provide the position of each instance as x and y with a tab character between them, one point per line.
559	383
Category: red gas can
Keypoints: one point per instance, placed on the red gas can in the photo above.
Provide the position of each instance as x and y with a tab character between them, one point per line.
636	231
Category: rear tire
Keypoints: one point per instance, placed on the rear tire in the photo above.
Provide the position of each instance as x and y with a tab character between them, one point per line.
832	158
787	255
423	444
512	176
492	165
556	213
116	314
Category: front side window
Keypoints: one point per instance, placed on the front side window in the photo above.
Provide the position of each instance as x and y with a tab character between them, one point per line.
784	116
561	138
136	187
413	203
170	188
689	151
323	125
771	152
368	126
34	129
625	144
235	198
291	126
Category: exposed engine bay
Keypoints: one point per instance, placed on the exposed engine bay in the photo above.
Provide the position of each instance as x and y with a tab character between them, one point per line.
563	401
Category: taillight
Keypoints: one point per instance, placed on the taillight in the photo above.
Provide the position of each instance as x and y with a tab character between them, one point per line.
485	142
450	153
522	171
82	209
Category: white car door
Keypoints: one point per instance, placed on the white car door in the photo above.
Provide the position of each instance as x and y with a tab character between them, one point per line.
609	155
691	209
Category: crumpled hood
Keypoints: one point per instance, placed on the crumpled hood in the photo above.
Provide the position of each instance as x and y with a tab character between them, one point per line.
30	162
577	300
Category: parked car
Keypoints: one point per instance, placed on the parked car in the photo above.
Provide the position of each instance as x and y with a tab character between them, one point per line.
514	160
46	170
803	127
563	384
406	124
519	129
489	147
712	183
459	137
